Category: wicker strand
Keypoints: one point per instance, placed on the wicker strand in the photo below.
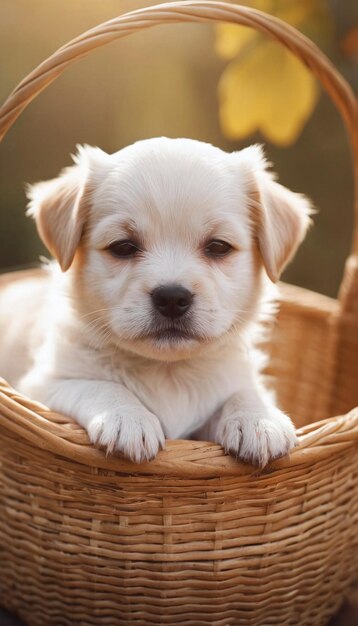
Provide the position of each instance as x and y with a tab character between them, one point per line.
50	431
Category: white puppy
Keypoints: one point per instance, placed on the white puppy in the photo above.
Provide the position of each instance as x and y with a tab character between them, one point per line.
147	333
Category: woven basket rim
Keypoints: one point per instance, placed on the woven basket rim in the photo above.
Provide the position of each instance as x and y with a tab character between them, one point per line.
56	433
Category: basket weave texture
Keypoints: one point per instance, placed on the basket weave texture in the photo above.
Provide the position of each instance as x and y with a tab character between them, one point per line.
193	538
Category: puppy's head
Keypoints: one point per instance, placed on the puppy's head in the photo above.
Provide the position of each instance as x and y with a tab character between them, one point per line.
167	241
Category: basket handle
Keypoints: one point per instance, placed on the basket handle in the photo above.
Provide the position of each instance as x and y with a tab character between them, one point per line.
192	11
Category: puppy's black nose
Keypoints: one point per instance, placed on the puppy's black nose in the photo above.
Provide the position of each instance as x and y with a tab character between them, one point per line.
172	300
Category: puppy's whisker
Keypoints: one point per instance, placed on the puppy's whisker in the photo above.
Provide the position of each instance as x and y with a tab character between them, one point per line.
107	309
100	332
96	325
204	310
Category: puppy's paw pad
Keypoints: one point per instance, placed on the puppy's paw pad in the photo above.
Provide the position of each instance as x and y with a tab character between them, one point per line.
258	439
137	438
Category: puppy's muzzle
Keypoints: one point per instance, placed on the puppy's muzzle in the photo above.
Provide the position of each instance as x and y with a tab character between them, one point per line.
172	300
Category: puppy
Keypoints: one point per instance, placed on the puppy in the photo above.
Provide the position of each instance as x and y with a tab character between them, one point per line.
167	248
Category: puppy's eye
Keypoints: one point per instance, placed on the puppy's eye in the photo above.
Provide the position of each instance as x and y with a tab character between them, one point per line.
123	249
216	247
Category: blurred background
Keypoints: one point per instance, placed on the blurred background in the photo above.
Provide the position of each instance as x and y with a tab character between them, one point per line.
227	86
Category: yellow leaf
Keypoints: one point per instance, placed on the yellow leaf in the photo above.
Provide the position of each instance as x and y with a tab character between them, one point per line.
297	12
268	90
231	39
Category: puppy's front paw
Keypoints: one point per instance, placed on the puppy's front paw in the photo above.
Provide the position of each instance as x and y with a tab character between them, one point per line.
257	438
137	438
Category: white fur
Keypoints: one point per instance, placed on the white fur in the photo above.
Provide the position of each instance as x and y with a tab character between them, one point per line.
91	356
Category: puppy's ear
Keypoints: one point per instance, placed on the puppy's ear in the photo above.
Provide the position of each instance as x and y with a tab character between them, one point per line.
60	206
280	216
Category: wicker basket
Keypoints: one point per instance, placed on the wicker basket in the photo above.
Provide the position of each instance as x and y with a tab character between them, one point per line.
193	538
